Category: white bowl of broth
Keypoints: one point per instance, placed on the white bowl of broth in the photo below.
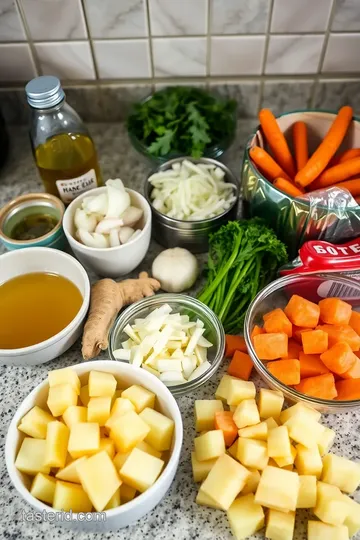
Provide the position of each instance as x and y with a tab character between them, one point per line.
44	298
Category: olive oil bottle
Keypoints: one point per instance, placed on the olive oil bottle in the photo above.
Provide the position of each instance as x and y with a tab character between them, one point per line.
64	152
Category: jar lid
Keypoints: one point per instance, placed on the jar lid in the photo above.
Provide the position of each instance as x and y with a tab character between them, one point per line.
44	92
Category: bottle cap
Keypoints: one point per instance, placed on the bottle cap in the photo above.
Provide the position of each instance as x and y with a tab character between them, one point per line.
44	92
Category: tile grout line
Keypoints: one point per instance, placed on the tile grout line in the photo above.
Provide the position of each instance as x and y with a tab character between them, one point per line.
89	39
29	41
266	49
150	44
208	41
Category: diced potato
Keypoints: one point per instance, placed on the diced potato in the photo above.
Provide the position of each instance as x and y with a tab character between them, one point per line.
288	460
223	388
140	397
352	520
232	450
84	395
35	422
210	445
69	472
74	415
252	453
323	531
69	496
101	384
31	457
279	443
99	478
129	431
308	460
271	423
121	405
141	470
246	414
280	525
341	472
326	441
278	489
84	439
127	493
259	432
107	445
252	482
64	376
205	410
119	459
311	413
57	438
61	397
245	517
225	481
99	410
114	502
239	390
330	506
161	429
270	403
307	492
205	500
201	469
304	430
43	488
146	447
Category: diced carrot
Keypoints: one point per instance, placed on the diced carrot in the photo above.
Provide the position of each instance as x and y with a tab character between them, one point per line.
315	341
240	366
256	331
224	421
339	358
297	331
294	349
271	346
311	365
234	343
334	311
302	312
355	321
276	322
322	386
348	389
287	371
353	372
341	333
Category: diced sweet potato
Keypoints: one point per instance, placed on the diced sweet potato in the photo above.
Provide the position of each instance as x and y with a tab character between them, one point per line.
339	358
297	331
287	371
271	346
315	341
294	349
322	386
256	331
341	333
355	321
311	365
276	322
334	311
353	372
234	343
348	389
224	421
240	366
302	312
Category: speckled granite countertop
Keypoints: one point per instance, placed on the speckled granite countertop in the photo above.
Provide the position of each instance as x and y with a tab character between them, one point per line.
177	516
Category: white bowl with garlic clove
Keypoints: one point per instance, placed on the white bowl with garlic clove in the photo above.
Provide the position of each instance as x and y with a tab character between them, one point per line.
109	229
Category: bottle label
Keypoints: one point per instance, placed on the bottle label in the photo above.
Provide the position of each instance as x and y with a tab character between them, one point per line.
71	188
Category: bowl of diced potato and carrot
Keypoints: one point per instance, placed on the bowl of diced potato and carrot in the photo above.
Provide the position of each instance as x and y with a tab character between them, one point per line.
100	441
303	335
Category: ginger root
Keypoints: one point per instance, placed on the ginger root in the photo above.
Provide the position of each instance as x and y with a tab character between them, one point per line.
107	298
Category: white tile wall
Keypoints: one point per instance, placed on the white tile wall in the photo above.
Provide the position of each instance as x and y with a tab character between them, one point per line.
126	59
342	53
238	55
239	16
116	19
293	54
11	28
176	57
300	15
178	17
66	60
16	63
347	15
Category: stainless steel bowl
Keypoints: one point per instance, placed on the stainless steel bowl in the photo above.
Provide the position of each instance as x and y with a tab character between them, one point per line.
192	235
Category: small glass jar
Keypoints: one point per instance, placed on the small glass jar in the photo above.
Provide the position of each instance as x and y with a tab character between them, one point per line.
64	152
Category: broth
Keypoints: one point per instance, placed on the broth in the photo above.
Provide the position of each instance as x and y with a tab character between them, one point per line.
34	307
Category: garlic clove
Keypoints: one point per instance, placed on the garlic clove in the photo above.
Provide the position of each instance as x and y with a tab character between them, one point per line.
107	224
131	216
125	234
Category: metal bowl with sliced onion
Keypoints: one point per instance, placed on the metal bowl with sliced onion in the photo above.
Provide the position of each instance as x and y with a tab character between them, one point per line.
173	336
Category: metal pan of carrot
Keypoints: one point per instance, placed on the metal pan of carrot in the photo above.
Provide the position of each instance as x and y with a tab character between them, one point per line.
293	170
313	348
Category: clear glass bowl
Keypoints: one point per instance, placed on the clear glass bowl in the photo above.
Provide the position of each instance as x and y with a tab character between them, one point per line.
185	305
313	287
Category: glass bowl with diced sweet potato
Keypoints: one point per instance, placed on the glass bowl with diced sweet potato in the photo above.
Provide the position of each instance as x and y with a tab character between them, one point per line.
303	335
100	441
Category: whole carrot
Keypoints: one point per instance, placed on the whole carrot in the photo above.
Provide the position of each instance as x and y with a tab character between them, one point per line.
338	173
267	164
288	187
348	154
351	185
299	134
326	148
277	141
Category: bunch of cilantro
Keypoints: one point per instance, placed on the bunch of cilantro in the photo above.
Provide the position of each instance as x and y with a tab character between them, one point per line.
182	121
243	257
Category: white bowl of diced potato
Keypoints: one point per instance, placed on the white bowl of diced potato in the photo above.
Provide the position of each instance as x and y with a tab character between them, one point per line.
100	441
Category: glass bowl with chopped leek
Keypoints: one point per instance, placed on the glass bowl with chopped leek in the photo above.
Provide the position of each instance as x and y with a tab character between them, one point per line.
175	337
182	121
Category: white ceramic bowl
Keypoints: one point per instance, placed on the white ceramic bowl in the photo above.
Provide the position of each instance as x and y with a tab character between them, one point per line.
41	259
110	262
141	505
